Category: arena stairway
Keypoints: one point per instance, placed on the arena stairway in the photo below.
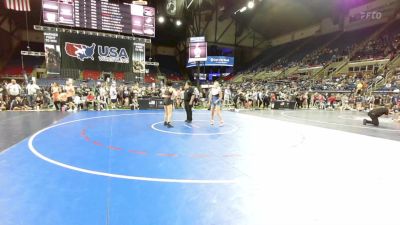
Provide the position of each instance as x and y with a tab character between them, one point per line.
341	68
260	75
381	83
394	63
329	69
288	72
239	78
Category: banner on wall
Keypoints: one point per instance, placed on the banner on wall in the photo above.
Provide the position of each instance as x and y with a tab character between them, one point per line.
95	53
52	53
214	61
370	14
139	57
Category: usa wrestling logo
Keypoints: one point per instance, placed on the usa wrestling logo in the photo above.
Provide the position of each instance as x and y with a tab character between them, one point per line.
80	51
105	53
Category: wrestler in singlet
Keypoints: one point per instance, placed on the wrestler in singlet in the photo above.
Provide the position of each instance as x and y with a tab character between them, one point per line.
167	96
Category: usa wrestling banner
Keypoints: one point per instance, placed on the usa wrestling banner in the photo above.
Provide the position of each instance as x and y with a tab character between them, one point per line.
95	53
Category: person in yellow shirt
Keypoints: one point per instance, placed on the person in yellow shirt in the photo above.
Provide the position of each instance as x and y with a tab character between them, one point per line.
359	88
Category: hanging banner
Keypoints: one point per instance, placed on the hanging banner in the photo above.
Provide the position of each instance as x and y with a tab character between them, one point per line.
52	52
171	7
95	53
138	57
175	8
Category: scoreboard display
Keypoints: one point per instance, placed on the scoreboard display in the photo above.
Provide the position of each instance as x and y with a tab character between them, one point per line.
101	15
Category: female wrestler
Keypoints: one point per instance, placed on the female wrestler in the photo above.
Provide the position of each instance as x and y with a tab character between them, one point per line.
70	90
168	95
55	91
215	100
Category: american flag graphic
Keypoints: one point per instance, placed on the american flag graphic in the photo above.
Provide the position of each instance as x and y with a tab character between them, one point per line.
18	5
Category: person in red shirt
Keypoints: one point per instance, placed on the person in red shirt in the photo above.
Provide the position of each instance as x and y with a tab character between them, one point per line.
332	101
90	100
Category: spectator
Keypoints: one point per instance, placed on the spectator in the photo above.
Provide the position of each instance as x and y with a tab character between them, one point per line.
55	91
14	90
113	95
38	102
90	101
2	105
18	104
32	90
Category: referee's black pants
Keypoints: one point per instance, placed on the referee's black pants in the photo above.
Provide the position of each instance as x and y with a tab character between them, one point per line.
188	109
374	119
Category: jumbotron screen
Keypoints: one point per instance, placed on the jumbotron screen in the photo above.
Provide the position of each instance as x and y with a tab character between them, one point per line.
198	52
101	15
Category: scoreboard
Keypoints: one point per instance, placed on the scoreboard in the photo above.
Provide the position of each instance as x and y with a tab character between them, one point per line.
100	15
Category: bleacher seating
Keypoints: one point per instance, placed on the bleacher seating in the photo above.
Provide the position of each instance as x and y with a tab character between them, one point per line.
150	78
14	65
310	48
91	74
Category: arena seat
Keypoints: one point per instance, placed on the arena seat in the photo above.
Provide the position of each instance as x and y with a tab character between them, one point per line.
150	78
119	76
91	74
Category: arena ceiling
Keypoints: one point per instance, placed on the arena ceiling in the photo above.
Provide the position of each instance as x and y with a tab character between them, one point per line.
273	18
270	18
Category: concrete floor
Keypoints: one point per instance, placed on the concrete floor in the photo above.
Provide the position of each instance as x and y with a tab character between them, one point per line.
16	126
347	121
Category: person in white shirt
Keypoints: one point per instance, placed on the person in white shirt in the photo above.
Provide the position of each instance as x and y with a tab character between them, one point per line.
227	96
102	90
102	102
78	103
32	89
113	95
216	103
13	89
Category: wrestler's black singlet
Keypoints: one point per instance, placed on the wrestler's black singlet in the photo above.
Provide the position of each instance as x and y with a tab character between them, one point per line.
167	98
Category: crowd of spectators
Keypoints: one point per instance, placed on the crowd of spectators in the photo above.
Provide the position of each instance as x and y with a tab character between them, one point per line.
68	97
348	92
345	92
384	46
379	48
75	96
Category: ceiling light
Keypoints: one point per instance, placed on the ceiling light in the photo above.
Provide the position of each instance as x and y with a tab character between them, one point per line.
161	19
250	5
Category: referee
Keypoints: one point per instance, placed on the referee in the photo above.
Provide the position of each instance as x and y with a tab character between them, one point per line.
188	99
375	114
